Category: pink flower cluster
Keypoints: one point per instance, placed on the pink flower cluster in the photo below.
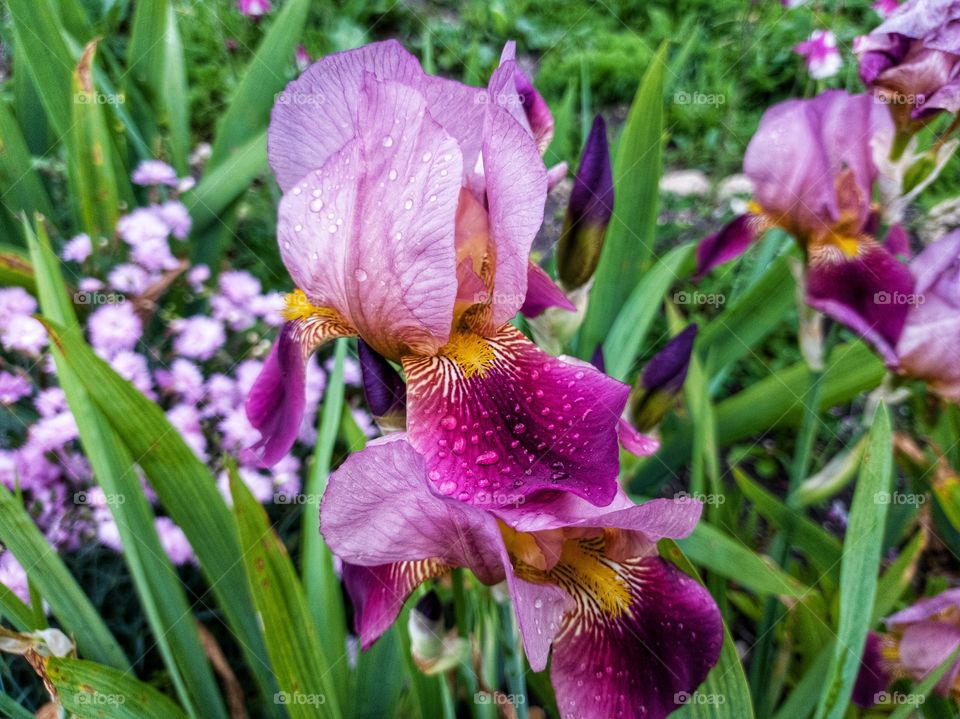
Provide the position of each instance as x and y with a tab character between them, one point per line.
198	367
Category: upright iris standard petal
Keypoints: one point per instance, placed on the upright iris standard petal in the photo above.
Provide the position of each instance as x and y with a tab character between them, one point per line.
627	630
869	291
371	233
499	420
930	341
317	113
798	153
588	212
276	402
516	192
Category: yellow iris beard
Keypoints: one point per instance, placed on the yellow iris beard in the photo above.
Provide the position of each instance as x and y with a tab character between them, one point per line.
582	570
298	307
471	352
847	245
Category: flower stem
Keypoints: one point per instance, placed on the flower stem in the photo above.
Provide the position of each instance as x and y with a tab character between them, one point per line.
513	660
468	676
900	141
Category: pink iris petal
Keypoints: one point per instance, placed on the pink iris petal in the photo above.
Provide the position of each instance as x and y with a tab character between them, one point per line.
371	234
800	149
871	294
542	293
378	593
402	520
277	400
520	423
318	113
925	646
637	443
925	608
516	191
645	659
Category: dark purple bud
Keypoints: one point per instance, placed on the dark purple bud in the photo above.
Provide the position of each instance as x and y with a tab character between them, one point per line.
661	380
383	388
873	677
589	211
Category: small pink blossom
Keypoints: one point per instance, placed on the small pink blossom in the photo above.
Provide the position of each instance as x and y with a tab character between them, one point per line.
78	249
13	388
174	542
130	278
821	54
14	302
133	368
114	328
269	308
302	58
154	172
24	334
198	337
52	433
197	276
50	402
183	379
90	284
186	420
237	431
176	217
254	8
13	576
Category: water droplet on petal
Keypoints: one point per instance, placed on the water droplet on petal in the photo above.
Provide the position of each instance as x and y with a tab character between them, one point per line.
519	428
449	422
487	458
392	174
448	487
408	205
459	445
426	156
388	141
316	205
297	227
331	229
360	275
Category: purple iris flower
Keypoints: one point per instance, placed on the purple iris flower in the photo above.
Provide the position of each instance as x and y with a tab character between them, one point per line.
911	62
628	630
928	346
920	639
812	167
410	205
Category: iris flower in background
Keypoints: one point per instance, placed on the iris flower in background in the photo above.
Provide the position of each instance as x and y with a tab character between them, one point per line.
410	205
811	163
920	639
821	54
628	630
911	62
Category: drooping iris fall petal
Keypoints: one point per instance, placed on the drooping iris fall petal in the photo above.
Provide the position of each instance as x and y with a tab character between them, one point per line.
498	420
585	582
729	243
869	291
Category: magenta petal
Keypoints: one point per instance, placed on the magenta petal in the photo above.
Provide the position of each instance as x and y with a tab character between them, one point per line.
522	423
642	445
371	233
925	646
381	490
871	294
635	665
317	113
542	293
277	399
727	244
378	593
537	111
925	609
873	677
